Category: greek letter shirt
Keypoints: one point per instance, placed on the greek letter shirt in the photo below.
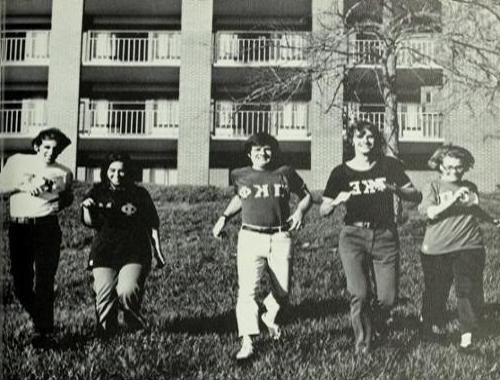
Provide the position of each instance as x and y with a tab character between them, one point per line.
265	194
455	229
28	168
124	219
368	201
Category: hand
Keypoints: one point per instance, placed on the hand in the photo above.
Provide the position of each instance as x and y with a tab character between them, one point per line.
342	197
160	259
496	222
34	186
219	226
88	202
462	194
295	221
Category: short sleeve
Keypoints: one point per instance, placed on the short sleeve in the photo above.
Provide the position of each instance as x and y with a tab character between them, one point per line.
430	198
396	172
234	176
9	171
295	182
150	212
335	183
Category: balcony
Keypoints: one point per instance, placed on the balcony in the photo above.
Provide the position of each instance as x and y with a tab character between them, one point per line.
415	124
417	52
152	119
260	49
286	121
25	47
22	118
131	48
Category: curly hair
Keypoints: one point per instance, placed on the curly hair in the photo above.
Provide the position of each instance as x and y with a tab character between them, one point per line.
360	126
127	167
453	151
263	139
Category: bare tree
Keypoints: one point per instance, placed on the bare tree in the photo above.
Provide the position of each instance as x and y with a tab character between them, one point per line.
381	33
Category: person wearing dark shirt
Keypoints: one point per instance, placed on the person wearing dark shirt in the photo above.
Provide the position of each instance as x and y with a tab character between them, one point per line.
368	243
127	229
453	247
264	242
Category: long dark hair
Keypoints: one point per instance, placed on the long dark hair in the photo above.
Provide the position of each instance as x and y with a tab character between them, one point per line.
360	126
127	168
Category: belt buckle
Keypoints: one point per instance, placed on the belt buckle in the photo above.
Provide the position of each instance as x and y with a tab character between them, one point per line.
367	224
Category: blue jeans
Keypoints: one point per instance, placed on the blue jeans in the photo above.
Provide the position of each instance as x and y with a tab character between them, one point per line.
370	258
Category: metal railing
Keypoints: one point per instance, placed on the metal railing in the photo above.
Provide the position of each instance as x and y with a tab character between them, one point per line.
413	125
131	48
148	119
410	53
260	48
27	47
283	120
20	118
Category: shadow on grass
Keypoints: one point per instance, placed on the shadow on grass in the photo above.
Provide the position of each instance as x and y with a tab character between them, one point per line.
491	321
226	323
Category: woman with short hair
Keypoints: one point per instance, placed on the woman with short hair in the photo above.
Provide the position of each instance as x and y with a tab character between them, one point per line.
127	226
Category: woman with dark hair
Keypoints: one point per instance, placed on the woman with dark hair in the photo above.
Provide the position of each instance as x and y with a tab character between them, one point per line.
369	243
127	227
262	194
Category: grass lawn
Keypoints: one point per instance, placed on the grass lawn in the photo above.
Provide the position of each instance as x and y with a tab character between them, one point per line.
190	308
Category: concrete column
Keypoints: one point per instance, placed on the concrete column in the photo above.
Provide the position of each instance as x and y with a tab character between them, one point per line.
195	83
64	72
325	114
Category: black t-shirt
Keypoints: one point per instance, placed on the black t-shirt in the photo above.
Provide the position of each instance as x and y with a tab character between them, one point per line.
123	219
265	194
368	202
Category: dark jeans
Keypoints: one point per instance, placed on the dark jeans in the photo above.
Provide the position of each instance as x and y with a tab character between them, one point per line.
466	268
34	257
370	258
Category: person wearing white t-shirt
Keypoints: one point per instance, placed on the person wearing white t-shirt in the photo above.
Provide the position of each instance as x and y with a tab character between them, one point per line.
38	188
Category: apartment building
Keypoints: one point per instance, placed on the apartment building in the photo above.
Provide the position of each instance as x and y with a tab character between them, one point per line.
163	80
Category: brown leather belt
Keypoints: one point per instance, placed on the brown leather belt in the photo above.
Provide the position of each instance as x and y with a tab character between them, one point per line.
50	219
264	230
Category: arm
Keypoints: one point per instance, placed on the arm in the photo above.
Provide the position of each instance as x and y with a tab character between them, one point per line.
304	205
87	217
231	210
157	252
407	192
434	211
328	204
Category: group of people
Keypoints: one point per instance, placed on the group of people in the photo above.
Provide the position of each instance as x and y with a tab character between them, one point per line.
369	184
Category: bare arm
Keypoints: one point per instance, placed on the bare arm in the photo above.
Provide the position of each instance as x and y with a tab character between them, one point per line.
87	218
329	204
303	206
231	210
157	251
407	192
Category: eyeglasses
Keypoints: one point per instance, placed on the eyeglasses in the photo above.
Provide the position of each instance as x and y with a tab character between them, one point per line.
458	168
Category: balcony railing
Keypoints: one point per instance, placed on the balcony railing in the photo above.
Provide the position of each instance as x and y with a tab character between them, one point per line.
131	48
149	119
260	49
417	52
283	120
415	125
25	47
22	118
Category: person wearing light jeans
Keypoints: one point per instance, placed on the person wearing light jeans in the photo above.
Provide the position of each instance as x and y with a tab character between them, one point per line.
264	242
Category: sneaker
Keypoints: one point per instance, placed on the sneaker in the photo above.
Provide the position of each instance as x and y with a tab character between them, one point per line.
273	328
246	350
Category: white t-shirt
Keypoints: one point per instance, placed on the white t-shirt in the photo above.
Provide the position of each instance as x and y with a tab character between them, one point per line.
26	168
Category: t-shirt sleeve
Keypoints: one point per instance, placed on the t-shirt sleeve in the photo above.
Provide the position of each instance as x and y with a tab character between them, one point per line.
295	181
335	183
234	176
430	198
150	212
397	173
8	173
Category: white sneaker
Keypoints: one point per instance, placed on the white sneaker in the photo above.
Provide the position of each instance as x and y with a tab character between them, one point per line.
273	328
246	350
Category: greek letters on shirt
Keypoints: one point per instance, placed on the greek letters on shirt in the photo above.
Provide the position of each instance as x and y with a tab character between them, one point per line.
276	190
367	186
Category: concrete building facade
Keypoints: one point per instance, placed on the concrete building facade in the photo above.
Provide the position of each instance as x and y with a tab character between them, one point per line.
163	80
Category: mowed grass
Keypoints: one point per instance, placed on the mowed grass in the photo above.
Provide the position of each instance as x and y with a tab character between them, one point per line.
190	308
